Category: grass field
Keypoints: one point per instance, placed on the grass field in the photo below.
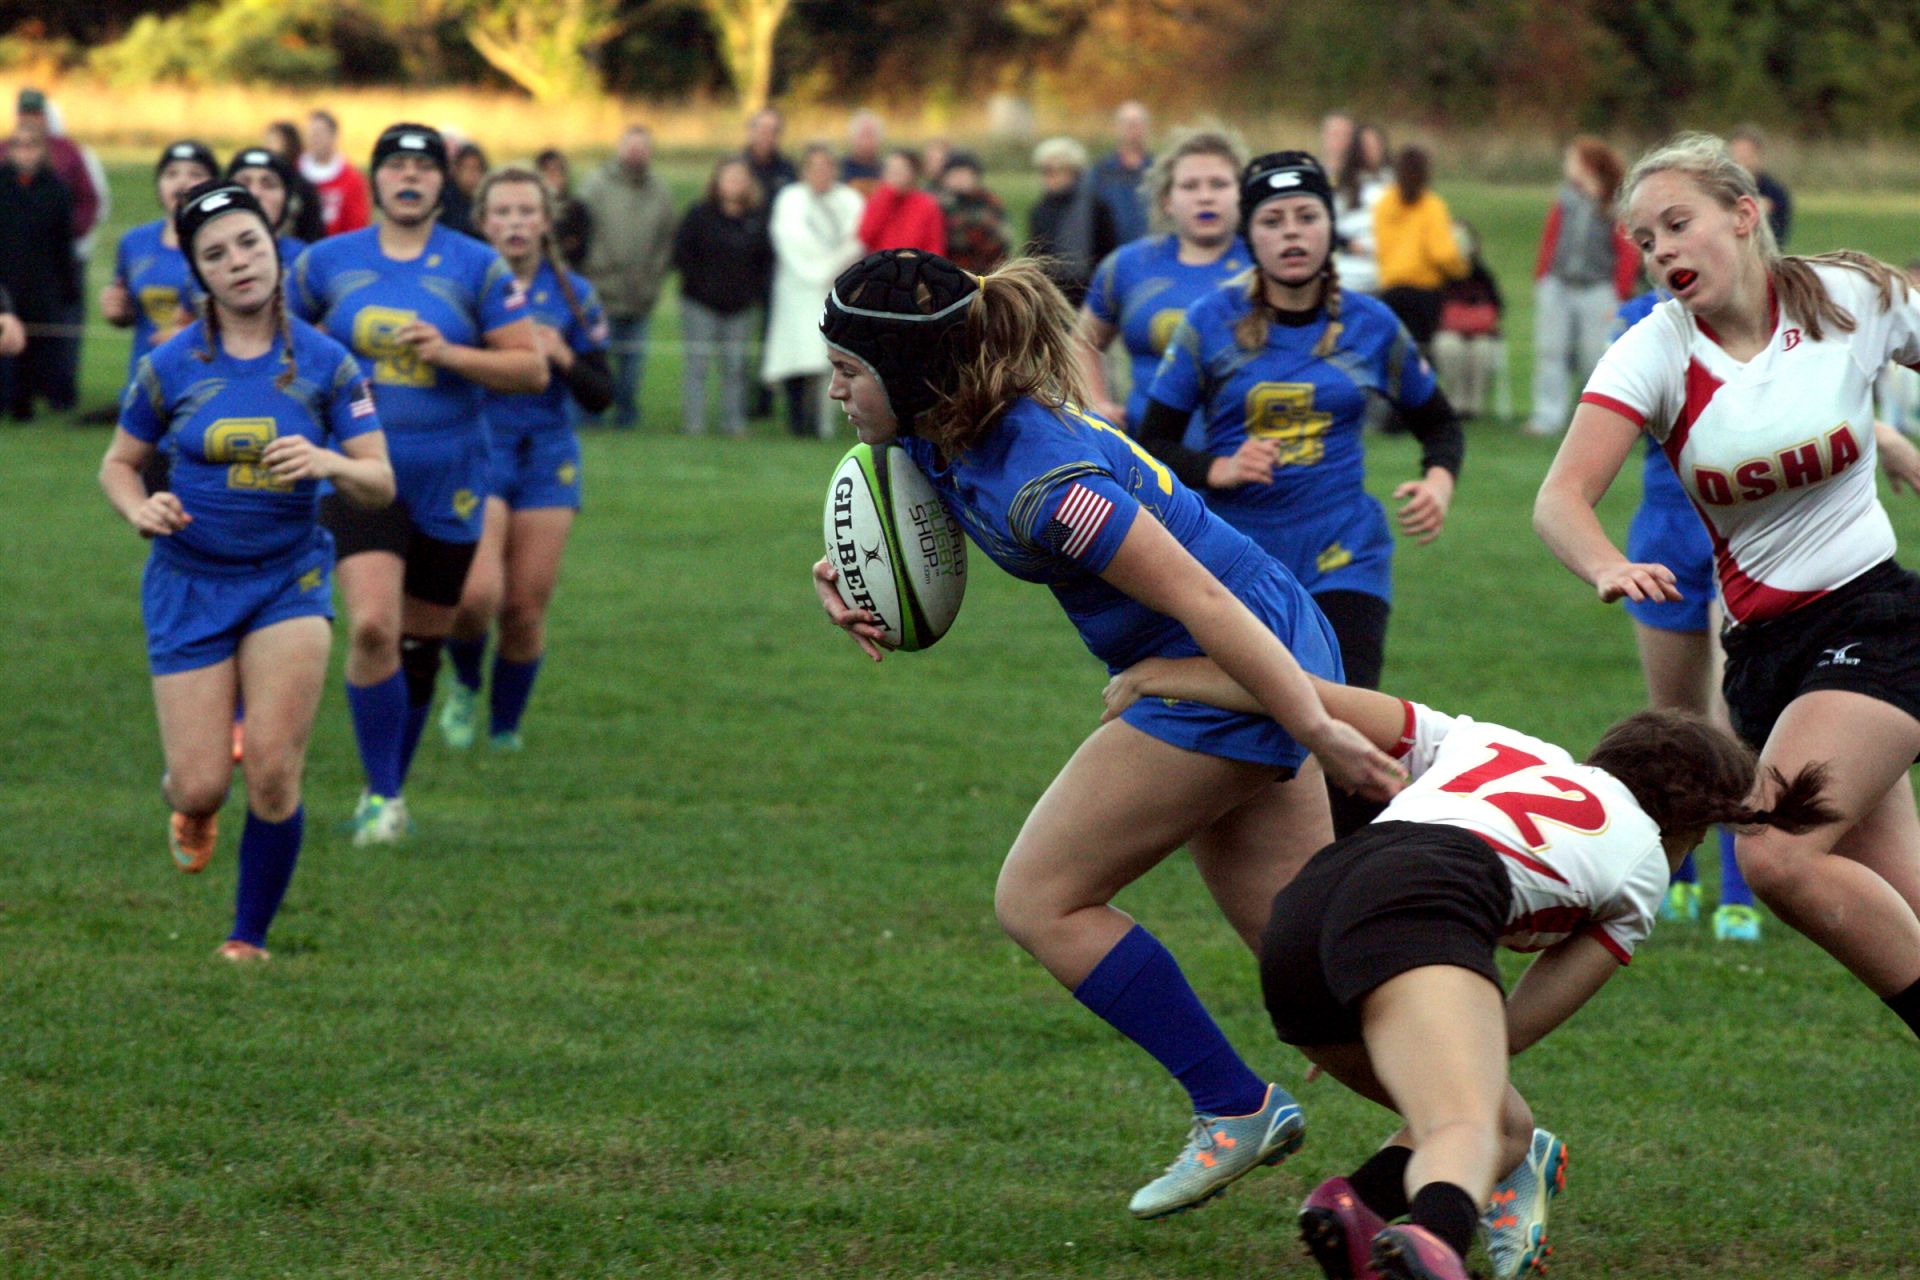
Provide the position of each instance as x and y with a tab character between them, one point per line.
706	982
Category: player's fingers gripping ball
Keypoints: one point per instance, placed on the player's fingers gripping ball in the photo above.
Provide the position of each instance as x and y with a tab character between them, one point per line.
900	555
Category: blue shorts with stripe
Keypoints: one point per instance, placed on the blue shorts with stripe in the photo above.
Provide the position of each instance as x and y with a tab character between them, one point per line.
197	610
1284	605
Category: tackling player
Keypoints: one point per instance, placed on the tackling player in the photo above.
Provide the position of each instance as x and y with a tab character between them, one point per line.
1142	289
535	487
1282	370
236	595
977	378
1757	379
440	320
1379	960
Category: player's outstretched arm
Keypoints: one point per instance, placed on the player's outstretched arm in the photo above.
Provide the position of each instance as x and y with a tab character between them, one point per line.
1153	568
1564	977
1596	446
1380	716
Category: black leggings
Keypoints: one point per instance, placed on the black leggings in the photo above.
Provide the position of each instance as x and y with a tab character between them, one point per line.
1360	623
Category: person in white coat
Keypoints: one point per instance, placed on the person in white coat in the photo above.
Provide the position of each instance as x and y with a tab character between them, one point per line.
815	227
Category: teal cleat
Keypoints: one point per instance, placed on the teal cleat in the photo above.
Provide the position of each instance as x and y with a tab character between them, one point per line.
380	820
457	718
1222	1149
1736	923
1516	1222
1682	902
505	742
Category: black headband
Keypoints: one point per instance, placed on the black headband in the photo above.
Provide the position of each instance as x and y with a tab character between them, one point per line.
262	158
207	201
187	149
875	314
1278	174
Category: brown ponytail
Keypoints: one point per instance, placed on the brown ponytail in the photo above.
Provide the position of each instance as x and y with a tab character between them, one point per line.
1688	775
1018	342
549	246
210	330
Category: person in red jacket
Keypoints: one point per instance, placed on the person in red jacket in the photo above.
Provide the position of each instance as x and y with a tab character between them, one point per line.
1587	267
899	215
345	204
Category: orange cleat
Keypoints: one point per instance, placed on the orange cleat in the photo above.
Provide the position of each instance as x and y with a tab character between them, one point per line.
191	840
235	951
239	741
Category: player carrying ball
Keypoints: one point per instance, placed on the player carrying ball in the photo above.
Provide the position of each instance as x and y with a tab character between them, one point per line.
1379	959
1757	381
977	378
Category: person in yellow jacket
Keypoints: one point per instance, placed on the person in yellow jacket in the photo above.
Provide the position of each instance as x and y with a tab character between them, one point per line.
1414	245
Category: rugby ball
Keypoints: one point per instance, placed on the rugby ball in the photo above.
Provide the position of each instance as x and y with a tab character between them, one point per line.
900	554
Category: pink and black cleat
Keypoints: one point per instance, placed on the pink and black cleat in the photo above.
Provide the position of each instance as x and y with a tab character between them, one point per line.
1408	1252
1338	1230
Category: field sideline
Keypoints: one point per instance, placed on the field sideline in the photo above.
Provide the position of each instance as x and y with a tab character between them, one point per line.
706	982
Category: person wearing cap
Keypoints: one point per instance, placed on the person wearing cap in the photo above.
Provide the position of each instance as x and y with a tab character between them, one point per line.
1282	369
344	201
440	320
271	181
977	378
37	268
152	289
80	172
261	410
1141	290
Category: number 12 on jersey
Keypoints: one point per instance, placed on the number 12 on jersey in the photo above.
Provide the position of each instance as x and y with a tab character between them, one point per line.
1574	807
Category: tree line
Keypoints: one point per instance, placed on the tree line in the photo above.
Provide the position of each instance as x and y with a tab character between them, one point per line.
1841	68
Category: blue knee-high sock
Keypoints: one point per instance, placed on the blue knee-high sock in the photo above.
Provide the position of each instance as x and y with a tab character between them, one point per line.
466	656
379	723
268	851
1687	873
1139	989
1733	885
512	686
417	716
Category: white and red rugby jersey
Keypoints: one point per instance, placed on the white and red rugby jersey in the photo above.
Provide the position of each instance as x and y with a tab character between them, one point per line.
1582	855
1776	453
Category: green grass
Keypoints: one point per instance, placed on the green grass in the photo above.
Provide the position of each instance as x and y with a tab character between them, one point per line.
706	982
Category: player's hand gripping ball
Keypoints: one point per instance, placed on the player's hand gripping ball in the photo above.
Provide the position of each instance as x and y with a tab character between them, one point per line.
900	554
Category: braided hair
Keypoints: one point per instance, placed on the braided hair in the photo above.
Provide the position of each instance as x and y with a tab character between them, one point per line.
201	205
1273	176
1688	775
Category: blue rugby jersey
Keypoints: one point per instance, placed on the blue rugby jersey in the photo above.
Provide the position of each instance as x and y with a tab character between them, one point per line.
1143	289
362	298
510	415
158	278
219	415
1316	516
1049	496
1659	486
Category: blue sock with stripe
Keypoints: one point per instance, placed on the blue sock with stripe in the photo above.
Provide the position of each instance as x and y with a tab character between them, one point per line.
379	714
1733	885
466	656
1687	873
512	686
268	851
1139	990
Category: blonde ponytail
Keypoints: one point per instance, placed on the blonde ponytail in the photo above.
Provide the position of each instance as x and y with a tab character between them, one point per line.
1018	343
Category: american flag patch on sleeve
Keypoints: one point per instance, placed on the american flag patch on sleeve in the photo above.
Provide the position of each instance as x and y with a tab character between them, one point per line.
1077	521
361	406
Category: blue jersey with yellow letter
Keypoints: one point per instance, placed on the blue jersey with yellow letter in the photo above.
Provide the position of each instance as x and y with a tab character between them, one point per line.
218	415
160	282
362	298
1143	289
1316	516
1050	495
